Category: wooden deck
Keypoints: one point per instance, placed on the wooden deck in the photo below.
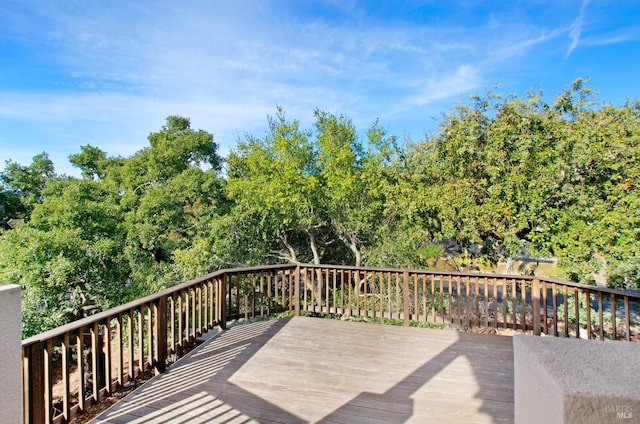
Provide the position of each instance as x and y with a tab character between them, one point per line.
300	370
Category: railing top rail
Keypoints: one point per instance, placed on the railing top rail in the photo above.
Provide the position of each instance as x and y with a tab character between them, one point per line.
110	313
630	295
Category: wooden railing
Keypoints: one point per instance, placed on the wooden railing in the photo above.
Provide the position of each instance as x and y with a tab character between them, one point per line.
491	301
69	368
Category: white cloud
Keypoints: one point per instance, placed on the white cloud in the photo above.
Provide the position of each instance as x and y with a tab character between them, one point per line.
464	78
576	28
125	66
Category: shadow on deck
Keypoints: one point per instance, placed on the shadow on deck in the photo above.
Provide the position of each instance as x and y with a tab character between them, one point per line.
299	370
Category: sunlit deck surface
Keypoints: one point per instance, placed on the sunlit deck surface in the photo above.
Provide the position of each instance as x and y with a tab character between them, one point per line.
300	370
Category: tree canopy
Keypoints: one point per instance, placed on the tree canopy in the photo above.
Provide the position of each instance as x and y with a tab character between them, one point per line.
503	177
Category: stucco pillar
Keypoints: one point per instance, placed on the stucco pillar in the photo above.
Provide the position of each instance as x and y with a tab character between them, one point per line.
562	380
10	355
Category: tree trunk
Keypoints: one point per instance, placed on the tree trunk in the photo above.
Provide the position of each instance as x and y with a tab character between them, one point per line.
316	260
353	245
293	258
509	266
314	248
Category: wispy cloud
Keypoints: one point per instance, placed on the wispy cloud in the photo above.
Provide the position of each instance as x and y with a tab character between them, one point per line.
576	28
116	70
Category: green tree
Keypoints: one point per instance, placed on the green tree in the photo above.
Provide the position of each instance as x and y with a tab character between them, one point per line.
274	185
168	193
69	257
91	161
23	186
352	180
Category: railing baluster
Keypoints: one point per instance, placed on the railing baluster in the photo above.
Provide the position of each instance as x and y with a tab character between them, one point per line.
335	293
505	303
238	301
486	302
545	323
275	283
576	305
161	335
405	298
390	295
588	306
120	351
131	351
523	307
441	298
496	308
297	291
458	301
221	289
614	320
554	299
81	368
566	312
311	277
433	297
261	291
95	389
600	316
450	303
212	304
150	339
186	331
627	319
514	303
416	307
399	294
192	332
293	292
425	295
199	294
469	283
249	292
206	307
321	289
48	395
181	318
172	323
365	293
141	340
106	346
269	299
66	390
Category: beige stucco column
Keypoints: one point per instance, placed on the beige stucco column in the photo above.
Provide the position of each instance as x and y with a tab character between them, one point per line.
562	380
10	355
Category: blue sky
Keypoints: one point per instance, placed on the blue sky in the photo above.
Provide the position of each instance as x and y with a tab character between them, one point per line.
107	73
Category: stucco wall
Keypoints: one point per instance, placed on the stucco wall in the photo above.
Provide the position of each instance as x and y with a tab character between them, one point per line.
10	355
576	381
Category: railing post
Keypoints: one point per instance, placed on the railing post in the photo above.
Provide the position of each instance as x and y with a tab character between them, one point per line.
296	291
161	335
535	304
405	298
34	384
221	301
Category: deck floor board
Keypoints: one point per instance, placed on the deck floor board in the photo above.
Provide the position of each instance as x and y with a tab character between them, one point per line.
310	370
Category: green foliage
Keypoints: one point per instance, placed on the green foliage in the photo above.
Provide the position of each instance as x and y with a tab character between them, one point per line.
91	161
22	187
503	176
